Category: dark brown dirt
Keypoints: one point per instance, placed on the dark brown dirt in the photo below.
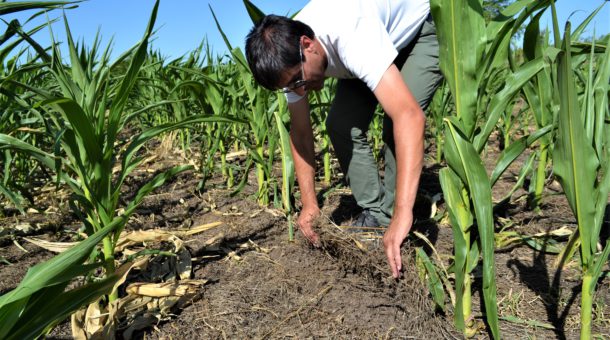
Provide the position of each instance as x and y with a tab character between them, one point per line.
260	285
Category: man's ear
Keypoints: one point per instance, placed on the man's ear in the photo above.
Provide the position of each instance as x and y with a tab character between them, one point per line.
308	44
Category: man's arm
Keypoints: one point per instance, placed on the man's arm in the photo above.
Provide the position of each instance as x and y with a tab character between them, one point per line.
302	147
408	127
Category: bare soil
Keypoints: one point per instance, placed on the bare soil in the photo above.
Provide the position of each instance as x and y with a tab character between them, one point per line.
261	285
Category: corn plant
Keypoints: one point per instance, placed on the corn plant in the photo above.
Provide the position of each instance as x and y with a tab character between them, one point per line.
281	117
581	162
212	89
438	109
319	111
18	118
88	111
43	299
288	179
541	97
472	58
258	109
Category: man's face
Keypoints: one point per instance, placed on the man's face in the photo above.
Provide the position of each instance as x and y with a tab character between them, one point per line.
306	76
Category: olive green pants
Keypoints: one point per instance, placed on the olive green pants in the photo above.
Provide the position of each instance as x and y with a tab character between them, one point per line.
351	114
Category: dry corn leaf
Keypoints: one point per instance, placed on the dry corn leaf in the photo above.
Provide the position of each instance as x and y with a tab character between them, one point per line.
94	323
95	319
435	199
179	288
56	247
133	304
77	323
251	245
142	236
198	229
24	227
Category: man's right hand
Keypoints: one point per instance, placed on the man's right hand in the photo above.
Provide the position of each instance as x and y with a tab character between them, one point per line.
306	220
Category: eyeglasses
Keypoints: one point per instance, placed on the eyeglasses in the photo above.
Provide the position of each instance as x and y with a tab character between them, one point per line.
299	82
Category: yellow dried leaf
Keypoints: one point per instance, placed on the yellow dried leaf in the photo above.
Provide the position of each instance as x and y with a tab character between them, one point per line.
56	247
180	288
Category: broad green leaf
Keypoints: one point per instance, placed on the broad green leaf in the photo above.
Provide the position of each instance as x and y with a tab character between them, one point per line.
513	84
18	6
574	160
458	211
463	158
19	145
460	55
254	12
60	306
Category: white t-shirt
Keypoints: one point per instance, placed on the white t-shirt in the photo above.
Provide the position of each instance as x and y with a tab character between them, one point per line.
362	38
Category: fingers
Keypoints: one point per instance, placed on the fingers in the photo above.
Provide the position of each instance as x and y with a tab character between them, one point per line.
392	251
311	236
305	225
391	243
397	261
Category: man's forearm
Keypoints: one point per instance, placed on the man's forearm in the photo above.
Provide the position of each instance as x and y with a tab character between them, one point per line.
303	155
408	138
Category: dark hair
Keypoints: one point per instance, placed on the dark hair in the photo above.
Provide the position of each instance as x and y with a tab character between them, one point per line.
272	46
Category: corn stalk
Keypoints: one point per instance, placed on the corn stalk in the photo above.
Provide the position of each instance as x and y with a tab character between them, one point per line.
582	164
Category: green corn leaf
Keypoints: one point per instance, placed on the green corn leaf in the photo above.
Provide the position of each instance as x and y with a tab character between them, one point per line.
11	30
463	158
128	163
9	315
254	12
287	162
81	125
583	25
574	160
602	110
461	219
18	6
435	285
57	307
222	33
14	197
46	159
508	155
600	260
532	38
556	35
513	84
523	174
502	29
208	92
122	94
42	53
57	271
78	73
460	55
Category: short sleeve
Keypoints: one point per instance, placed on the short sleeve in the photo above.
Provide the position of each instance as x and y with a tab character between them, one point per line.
369	52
